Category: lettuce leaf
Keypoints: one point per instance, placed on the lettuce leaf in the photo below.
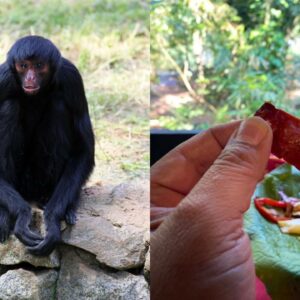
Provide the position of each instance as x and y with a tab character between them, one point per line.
276	255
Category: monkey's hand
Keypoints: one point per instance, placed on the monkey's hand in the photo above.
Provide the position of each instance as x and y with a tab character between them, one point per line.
22	230
52	238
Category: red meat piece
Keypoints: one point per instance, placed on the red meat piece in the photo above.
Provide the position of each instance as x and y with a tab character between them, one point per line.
286	133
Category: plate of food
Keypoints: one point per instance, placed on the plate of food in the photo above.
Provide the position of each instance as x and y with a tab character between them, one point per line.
273	220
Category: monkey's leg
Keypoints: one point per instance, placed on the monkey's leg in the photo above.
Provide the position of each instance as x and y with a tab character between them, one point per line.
70	216
5	225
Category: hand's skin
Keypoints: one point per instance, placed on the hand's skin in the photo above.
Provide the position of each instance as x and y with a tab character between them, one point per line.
200	251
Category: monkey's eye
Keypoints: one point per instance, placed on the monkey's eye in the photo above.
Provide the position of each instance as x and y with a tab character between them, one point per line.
39	65
23	66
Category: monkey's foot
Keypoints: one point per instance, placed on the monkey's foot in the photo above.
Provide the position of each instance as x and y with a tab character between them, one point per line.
70	217
4	233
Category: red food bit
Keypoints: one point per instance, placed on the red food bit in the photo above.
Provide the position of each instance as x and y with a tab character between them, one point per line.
286	133
273	163
260	204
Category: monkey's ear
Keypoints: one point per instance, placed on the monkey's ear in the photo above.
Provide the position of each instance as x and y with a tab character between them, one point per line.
71	81
8	83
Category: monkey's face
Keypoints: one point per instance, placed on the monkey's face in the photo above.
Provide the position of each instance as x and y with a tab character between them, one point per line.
33	75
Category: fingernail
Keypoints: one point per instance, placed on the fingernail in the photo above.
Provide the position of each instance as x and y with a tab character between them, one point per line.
252	131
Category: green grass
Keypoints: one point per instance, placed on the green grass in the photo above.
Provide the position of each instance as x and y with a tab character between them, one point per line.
109	42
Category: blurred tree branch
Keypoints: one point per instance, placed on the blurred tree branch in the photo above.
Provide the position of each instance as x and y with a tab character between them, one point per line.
160	41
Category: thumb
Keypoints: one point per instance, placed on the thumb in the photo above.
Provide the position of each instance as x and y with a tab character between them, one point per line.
200	250
231	180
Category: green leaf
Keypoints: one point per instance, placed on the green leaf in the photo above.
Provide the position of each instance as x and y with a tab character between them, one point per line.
276	255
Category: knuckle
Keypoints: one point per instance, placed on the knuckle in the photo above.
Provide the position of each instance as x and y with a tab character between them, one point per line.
238	153
238	158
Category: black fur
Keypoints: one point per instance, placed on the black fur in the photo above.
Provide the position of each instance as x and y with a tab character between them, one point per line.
46	145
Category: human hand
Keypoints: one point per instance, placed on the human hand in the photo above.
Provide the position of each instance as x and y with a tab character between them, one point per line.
200	251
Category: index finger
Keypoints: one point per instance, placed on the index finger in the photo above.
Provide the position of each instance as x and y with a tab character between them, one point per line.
181	168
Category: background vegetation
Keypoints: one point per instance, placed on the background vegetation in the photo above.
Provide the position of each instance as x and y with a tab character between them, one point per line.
230	56
109	42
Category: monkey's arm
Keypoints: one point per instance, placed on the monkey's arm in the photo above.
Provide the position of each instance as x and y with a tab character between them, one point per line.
64	200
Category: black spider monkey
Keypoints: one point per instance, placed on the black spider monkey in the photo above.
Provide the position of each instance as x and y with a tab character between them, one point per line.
46	141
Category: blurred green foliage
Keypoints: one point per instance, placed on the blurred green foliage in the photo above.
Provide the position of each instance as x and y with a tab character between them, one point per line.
232	52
